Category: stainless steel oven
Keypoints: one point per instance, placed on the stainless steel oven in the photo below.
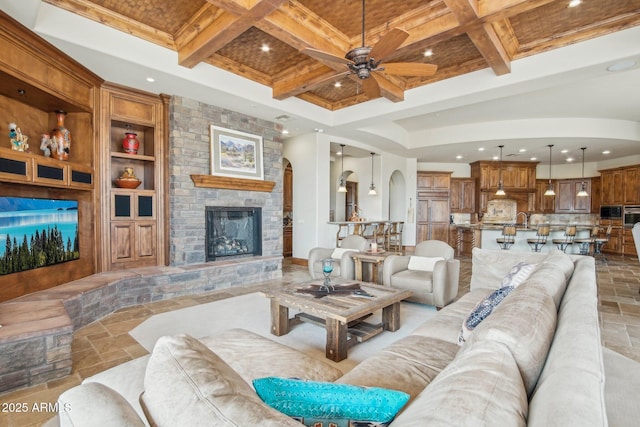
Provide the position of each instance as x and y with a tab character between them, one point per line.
631	215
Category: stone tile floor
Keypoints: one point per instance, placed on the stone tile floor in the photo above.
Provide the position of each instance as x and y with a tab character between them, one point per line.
106	343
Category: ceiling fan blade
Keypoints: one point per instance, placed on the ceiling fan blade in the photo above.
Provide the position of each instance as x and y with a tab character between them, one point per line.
370	87
325	56
410	69
388	44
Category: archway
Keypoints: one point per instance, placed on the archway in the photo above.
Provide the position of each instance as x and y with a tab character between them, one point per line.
397	200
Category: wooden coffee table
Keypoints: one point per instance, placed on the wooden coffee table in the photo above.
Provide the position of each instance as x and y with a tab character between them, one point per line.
343	316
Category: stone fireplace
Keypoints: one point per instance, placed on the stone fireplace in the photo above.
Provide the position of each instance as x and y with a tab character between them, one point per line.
233	232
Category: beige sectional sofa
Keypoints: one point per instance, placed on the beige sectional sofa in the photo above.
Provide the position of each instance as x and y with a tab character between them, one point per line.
536	360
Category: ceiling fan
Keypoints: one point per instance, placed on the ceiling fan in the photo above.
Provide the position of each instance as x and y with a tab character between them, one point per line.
366	61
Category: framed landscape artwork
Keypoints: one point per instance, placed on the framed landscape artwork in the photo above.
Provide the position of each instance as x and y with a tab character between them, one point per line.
236	154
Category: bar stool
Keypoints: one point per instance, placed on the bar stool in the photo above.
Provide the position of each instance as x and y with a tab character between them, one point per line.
541	238
382	235
394	237
585	244
508	237
599	242
569	236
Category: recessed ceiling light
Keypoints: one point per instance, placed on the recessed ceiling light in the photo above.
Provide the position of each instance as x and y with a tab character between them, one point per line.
265	48
319	130
459	156
151	79
569	159
481	149
606	152
533	158
522	150
564	151
337	84
574	3
495	157
285	132
428	52
625	64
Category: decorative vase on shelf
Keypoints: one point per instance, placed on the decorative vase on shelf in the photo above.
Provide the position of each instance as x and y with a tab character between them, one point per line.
60	138
128	179
130	143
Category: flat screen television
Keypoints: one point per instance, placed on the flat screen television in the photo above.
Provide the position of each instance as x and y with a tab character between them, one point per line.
37	232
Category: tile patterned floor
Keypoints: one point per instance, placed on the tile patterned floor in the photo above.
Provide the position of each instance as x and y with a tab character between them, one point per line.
106	343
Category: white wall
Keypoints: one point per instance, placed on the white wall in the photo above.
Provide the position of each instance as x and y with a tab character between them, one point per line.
309	157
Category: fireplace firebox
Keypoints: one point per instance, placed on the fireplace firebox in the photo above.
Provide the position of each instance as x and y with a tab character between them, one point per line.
233	232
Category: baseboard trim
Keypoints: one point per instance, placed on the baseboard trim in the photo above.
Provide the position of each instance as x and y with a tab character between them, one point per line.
299	261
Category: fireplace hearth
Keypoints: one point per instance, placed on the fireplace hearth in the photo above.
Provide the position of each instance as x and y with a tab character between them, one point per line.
233	232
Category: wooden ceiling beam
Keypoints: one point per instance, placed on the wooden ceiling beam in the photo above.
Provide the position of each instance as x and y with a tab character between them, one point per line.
483	35
222	31
97	13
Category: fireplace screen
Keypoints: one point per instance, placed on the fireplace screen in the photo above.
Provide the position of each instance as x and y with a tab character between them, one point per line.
233	231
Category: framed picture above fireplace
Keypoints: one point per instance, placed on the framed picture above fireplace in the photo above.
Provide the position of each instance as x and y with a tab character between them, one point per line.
236	154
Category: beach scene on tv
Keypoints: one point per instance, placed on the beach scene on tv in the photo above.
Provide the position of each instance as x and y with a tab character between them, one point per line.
37	232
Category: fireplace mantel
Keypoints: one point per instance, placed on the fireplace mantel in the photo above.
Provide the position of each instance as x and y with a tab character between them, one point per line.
213	181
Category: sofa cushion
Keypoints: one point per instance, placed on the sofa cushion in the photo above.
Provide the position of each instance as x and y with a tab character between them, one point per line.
329	401
445	325
481	387
516	276
423	263
489	266
413	280
93	402
407	365
525	323
186	384
244	351
553	274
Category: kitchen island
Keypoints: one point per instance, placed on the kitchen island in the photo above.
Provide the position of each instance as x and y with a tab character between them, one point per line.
485	235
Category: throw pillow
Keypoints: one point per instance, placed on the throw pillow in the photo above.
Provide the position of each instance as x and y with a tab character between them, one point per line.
423	263
341	404
518	274
338	252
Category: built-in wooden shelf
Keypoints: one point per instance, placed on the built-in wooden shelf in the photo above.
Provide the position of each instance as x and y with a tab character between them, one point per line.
228	183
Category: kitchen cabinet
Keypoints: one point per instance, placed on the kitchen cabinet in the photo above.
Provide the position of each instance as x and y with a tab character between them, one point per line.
596	195
632	185
614	246
136	218
628	244
467	239
612	186
518	179
462	198
544	204
434	181
567	199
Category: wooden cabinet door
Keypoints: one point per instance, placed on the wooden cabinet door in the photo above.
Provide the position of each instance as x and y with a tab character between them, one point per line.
606	179
434	181
287	189
432	219
596	195
582	204
544	204
122	242
468	196
564	196
456	196
145	241
632	186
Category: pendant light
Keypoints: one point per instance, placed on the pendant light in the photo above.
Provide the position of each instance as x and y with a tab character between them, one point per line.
342	188
583	186
372	187
500	191
550	191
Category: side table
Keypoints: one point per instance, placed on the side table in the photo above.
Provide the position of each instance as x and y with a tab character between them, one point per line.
375	259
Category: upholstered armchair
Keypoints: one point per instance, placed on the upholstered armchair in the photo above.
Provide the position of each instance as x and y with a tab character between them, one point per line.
431	273
343	265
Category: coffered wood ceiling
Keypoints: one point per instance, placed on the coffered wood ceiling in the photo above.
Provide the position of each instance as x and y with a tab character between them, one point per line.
464	36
